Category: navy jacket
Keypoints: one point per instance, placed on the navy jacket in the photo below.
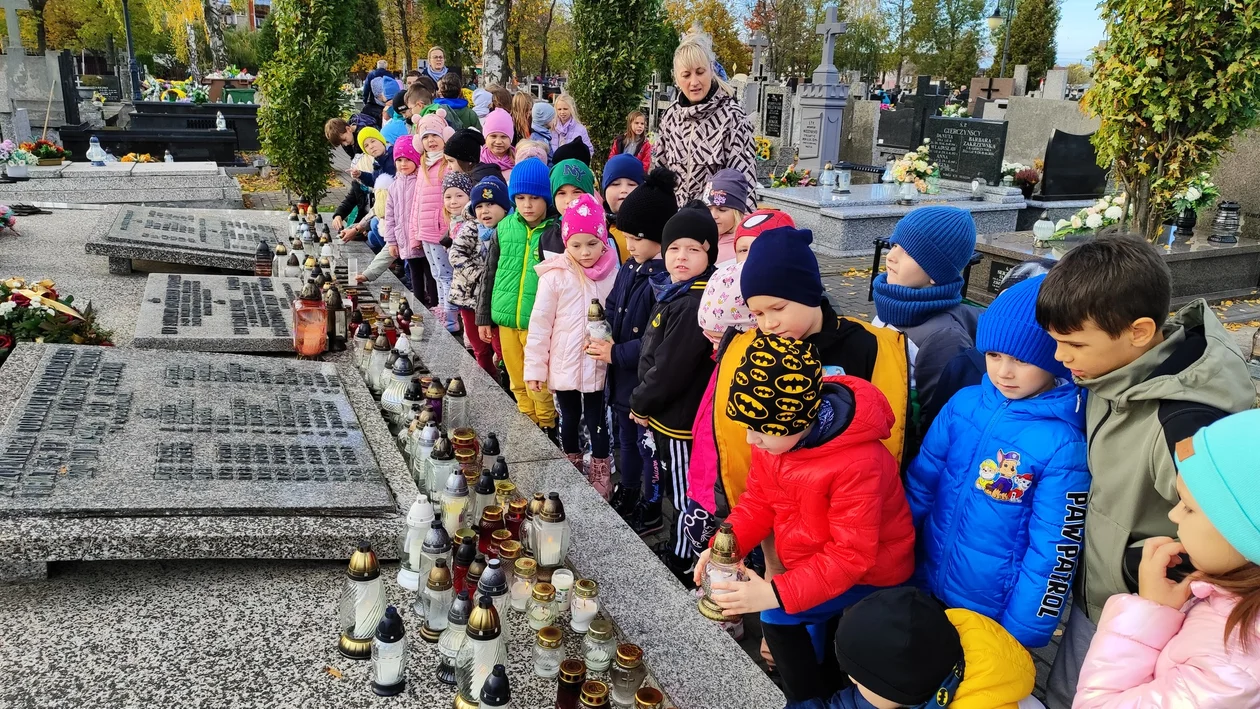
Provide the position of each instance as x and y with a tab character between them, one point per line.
998	493
628	306
675	359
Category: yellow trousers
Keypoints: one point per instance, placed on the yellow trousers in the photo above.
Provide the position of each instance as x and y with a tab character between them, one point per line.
537	405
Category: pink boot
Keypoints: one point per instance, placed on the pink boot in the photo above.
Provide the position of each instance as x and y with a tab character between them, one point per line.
601	476
576	460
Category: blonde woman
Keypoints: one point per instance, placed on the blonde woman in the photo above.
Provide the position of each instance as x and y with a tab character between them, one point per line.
567	126
706	130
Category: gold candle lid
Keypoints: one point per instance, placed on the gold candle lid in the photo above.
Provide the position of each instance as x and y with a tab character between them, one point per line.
465	436
550	637
586	588
363	564
464	533
466	455
629	655
544	592
594	693
506	489
517	507
492	513
525	568
572	671
725	548
648	698
536	505
509	549
439	577
497	538
600	629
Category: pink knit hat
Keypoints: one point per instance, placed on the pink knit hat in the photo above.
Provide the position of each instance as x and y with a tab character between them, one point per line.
498	121
406	147
584	216
527	149
435	124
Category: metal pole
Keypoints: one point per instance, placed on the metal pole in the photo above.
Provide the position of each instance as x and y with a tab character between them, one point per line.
1006	44
131	54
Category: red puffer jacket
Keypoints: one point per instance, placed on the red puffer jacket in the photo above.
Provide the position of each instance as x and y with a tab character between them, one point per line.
837	510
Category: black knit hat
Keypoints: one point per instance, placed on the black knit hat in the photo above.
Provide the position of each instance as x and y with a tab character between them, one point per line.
465	145
574	149
777	386
484	170
899	644
649	206
690	223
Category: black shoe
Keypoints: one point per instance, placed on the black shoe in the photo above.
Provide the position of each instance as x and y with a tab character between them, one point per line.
681	568
553	433
646	518
625	501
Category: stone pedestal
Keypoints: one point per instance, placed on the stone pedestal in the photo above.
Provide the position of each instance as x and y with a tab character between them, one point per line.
822	112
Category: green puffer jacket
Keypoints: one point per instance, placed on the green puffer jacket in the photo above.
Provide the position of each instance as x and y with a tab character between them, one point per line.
507	293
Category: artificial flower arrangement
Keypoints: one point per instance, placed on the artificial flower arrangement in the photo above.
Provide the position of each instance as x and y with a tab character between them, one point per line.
1200	192
916	167
761	147
1107	211
133	157
955	110
792	177
348	100
1009	169
8	220
35	312
11	154
231	71
186	91
46	150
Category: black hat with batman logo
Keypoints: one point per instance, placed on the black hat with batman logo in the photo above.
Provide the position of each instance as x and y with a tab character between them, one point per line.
777	387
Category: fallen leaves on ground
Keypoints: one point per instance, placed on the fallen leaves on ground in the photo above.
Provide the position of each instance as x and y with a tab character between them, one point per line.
258	183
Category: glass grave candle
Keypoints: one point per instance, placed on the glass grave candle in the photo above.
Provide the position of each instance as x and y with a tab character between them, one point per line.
434	395
584	606
422	446
362	604
475	572
438	468
594	695
504	493
540	609
309	266
436	545
481	651
279	257
466	459
649	698
497	538
326	259
599	647
411	542
338	318
438	596
498	471
562	579
310	324
509	553
362	345
452	638
490	447
455	406
293	266
723	565
391	331
532	510
550	533
465	438
626	675
494	583
389	655
409	429
491	521
547	652
464	556
376	364
569	688
483	497
392	396
497	691
454	500
525	573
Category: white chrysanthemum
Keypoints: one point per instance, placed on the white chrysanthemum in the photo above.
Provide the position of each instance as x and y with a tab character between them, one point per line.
7	307
1093	221
1114	213
1193	194
1061	223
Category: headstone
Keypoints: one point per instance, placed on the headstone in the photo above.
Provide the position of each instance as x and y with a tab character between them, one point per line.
1056	84
21	126
822	102
772	124
1021	80
904	128
11	20
1071	168
225	238
966	148
206	313
758	42
100	431
989	89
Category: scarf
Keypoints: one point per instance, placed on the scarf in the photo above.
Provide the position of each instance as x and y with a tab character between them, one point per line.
821	428
666	290
541	130
900	306
431	158
564	130
507	162
484	233
605	265
684	101
438	76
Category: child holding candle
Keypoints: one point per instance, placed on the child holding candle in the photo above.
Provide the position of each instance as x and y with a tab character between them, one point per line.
828	489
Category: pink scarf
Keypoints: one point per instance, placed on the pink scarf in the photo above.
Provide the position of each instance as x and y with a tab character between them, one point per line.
602	268
507	162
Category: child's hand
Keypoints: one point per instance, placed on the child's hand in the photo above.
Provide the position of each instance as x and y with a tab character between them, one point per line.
1158	555
751	596
355	172
601	350
534	385
338	223
697	576
360	278
393	250
486	333
639	420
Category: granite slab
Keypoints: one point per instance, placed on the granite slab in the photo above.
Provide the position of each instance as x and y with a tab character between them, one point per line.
869	195
46	172
217	191
109	169
212	238
171	169
1054	210
203	313
851	231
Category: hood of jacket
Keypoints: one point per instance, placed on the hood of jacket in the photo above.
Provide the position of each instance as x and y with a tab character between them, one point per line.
1066	402
454	103
998	672
861	412
1186	366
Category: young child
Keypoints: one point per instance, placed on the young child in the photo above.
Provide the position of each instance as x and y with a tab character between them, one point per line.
726	196
568	127
402	210
498	150
343	134
373	143
921	293
467	254
900	648
463	150
822	481
456	193
1152	381
511	283
522	118
634	141
675	361
542	121
1193	641
459	114
555	350
641	217
1005	460
396	113
527	149
418	99
429	219
570	179
622	174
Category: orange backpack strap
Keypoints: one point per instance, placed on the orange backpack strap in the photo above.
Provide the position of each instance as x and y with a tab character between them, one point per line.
892	377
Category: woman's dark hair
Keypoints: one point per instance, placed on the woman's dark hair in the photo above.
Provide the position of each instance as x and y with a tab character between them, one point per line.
628	137
502	98
1243	582
1112	280
450	86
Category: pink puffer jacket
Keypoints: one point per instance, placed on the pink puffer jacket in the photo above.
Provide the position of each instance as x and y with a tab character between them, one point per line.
400	210
1149	655
555	350
431	220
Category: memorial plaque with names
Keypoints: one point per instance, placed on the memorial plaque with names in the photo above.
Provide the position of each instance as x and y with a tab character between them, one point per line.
967	148
811	133
997	274
222	238
217	313
101	431
774	115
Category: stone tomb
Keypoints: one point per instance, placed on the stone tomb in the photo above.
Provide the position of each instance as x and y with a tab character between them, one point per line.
225	238
216	313
99	431
966	148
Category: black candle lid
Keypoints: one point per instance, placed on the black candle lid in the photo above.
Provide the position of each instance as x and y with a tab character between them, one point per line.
496	691
390	629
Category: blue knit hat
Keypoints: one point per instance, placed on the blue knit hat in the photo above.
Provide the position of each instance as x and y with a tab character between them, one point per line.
780	264
623	165
1010	326
940	239
1220	467
491	190
530	177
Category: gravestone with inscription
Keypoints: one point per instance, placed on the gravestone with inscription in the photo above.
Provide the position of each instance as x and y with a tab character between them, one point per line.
226	238
822	103
99	431
216	313
966	148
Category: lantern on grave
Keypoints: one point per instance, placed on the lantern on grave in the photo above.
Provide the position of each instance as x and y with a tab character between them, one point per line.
389	655
723	565
1228	223
550	532
362	604
455	406
338	318
411	542
279	258
310	324
262	260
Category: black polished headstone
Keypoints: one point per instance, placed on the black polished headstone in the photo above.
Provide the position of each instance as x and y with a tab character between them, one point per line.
774	115
966	148
1071	168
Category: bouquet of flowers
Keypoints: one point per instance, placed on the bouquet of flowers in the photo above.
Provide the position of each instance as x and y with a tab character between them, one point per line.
761	147
46	150
1029	176
6	151
1107	211
133	157
916	166
348	100
792	177
955	110
231	71
1199	193
8	220
35	312
1010	169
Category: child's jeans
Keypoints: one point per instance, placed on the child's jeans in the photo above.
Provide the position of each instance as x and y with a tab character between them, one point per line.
375	241
808	670
673	455
537	405
577	408
637	471
481	350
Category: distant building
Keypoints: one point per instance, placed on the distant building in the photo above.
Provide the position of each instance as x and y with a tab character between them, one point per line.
255	12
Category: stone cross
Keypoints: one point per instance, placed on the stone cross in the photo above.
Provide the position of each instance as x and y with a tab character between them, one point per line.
826	73
988	91
11	20
758	42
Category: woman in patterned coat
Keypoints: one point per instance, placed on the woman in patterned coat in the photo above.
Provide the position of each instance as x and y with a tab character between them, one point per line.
707	130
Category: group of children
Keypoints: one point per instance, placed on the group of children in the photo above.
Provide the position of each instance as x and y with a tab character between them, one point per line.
917	534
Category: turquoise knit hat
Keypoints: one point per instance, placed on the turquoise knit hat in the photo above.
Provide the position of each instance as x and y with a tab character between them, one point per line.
572	172
1220	467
